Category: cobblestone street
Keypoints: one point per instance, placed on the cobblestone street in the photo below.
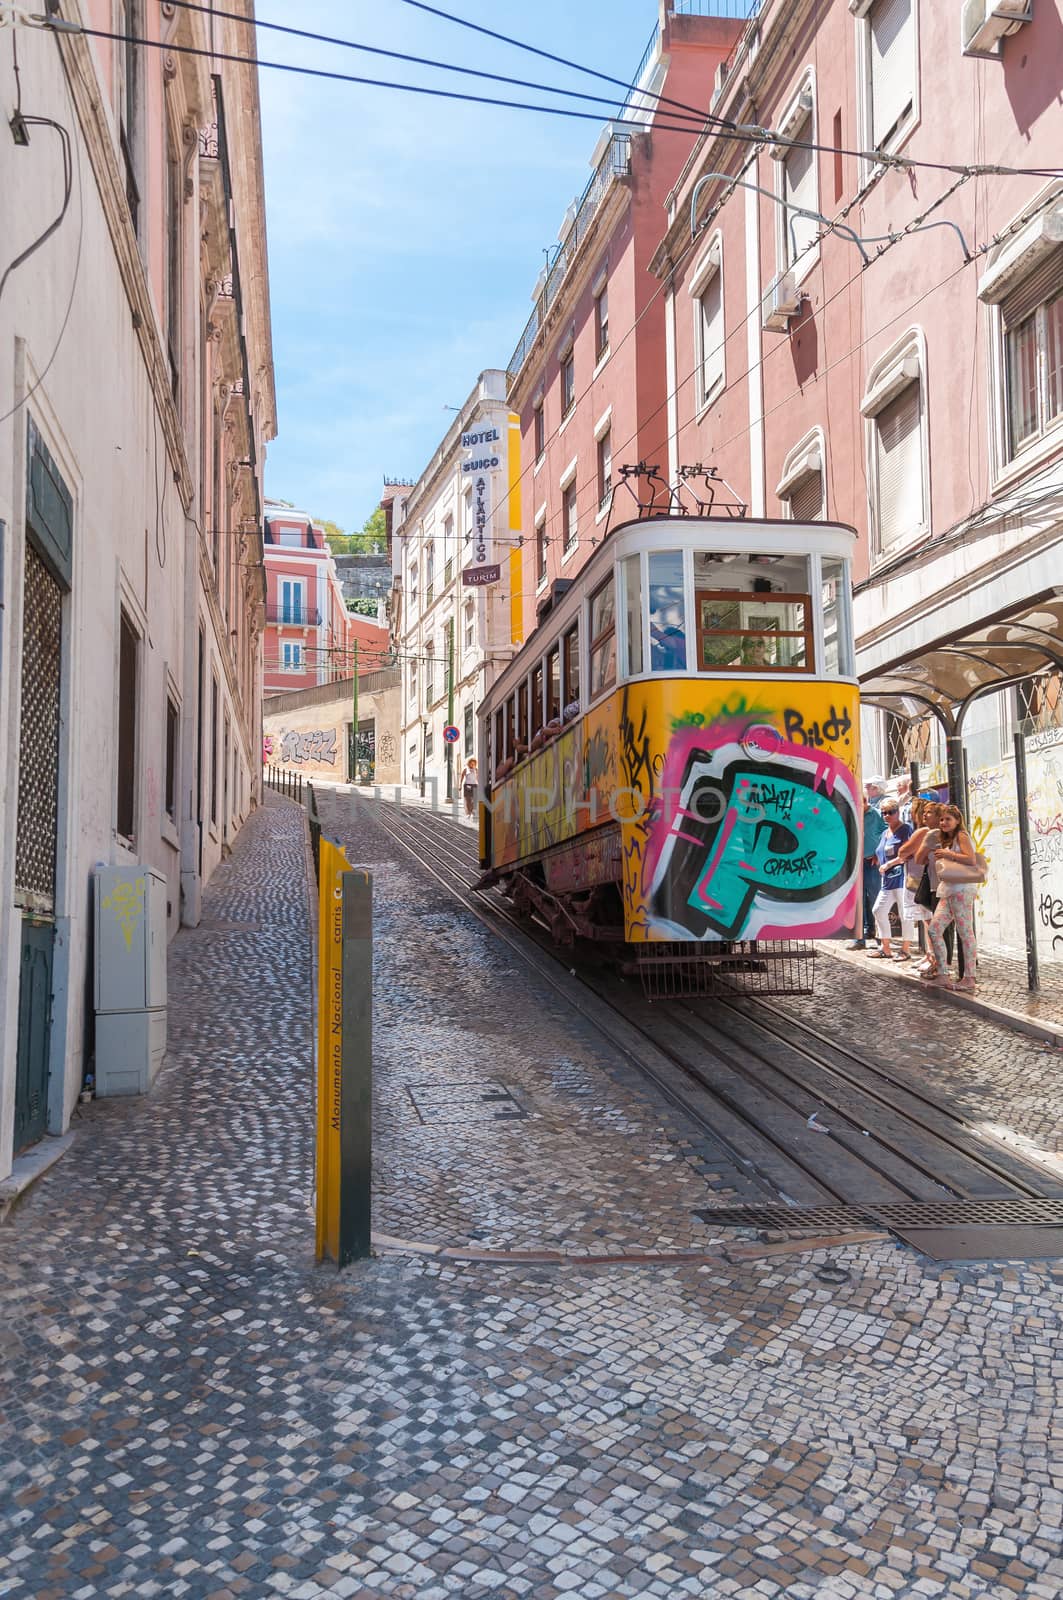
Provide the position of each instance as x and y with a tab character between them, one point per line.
191	1408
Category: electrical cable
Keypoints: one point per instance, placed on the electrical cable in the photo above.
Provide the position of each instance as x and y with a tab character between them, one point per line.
757	136
428	61
68	184
76	274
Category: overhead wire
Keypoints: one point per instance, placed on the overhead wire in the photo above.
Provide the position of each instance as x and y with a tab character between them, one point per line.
666	122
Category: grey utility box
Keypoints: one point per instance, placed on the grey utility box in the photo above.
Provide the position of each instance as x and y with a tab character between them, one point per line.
130	905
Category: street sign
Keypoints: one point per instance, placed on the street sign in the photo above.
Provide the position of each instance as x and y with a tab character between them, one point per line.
477	577
451	734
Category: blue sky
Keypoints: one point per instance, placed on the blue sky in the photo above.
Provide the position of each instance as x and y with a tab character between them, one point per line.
406	234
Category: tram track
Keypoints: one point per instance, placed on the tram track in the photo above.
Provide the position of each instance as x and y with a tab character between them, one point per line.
809	1119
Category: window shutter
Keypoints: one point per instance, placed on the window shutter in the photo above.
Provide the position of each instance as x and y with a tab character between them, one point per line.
799	189
711	304
1043	283
899	466
806	501
892	43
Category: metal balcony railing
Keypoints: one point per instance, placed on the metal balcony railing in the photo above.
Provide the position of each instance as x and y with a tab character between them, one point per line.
738	10
294	616
615	163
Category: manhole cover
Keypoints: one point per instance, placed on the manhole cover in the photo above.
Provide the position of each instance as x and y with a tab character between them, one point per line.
465	1102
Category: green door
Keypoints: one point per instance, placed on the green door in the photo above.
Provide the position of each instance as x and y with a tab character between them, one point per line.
34	1018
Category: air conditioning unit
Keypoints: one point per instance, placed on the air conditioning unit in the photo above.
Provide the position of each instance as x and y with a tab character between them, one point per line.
720	83
984	23
782	301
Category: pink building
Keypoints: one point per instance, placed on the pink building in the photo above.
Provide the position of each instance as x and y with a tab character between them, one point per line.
855	333
588	376
310	634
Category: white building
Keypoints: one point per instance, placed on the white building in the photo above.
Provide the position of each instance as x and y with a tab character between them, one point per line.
136	397
452	637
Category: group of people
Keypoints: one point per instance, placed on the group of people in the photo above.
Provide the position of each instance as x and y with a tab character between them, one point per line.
919	861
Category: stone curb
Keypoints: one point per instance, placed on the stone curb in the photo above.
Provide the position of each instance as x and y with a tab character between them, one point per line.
1046	1032
31	1165
387	1244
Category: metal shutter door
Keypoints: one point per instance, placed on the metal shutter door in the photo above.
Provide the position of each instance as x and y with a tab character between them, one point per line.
899	466
806	502
892	44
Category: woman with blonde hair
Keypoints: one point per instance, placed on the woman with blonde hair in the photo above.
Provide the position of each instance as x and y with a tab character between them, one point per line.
960	872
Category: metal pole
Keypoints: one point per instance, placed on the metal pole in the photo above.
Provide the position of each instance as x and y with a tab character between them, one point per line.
424	748
354	722
1033	976
450	709
955	766
356	1090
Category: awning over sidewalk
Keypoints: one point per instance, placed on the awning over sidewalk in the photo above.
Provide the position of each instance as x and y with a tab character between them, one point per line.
949	674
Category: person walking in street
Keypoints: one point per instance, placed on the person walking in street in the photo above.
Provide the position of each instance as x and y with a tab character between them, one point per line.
469	782
891	891
956	896
874	828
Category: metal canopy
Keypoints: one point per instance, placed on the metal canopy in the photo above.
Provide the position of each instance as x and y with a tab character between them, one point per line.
951	674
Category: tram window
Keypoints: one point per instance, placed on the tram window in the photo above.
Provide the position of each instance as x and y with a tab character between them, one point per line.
757	632
570	664
837	618
511	726
522	718
536	700
553	684
499	746
668	636
633	612
603	638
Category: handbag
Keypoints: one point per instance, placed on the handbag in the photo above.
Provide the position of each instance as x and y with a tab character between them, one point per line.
924	894
955	869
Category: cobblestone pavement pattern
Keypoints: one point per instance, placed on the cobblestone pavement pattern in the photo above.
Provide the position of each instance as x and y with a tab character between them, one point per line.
191	1409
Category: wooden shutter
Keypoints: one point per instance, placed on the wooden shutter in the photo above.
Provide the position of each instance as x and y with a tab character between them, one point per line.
892	46
1039	286
806	501
799	189
899	466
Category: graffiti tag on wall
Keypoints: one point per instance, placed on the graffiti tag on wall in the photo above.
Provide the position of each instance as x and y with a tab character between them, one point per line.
318	745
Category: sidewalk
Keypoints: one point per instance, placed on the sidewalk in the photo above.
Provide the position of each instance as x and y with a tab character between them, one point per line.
193	1409
1002	994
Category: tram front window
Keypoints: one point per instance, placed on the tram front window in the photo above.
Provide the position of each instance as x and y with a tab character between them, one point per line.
668	634
752	615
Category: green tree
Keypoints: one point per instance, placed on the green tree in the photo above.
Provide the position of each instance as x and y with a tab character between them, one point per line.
371	541
363	607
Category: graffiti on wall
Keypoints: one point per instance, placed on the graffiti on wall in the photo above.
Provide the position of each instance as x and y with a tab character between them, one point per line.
317	745
1050	911
387	750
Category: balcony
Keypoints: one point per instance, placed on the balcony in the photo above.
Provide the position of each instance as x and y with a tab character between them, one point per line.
294	616
615	163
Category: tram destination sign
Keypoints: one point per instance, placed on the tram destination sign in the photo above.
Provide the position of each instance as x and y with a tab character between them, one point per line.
479	577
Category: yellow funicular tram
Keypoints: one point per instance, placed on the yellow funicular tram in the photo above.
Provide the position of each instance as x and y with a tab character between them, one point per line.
672	760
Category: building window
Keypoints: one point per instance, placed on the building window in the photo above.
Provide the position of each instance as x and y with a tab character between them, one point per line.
539	425
470	624
174	185
173	724
568	383
292	607
429	573
706	289
429	742
128	651
889	68
799	193
1032	318
801	488
467	730
413	683
429	673
413	585
540	551
569	520
605	469
895	410
292	657
214	750
129	24
601	322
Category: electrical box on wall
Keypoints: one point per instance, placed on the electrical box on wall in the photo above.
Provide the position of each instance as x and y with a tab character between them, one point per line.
130	978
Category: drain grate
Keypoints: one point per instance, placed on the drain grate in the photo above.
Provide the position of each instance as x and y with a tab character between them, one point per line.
481	1101
1004	1211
